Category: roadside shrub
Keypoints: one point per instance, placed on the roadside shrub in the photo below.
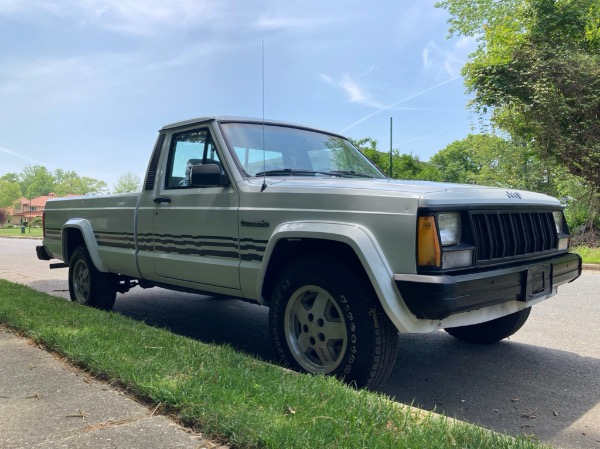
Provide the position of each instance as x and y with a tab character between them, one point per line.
36	223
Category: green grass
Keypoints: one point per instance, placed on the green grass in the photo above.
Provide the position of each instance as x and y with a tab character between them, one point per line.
16	232
227	395
589	255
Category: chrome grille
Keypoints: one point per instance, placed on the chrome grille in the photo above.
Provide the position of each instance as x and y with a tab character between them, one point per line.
508	235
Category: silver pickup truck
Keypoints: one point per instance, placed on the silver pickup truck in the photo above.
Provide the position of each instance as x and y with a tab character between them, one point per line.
297	219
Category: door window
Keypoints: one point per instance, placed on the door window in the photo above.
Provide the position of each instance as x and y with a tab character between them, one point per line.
189	148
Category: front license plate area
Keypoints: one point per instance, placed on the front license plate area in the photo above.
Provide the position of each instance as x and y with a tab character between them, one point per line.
539	281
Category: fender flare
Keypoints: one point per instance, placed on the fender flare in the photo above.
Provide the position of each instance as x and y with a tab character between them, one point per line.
370	255
85	227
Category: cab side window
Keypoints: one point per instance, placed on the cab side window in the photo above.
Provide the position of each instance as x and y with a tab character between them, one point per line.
187	149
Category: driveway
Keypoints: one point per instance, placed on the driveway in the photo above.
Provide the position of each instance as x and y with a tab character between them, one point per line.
544	381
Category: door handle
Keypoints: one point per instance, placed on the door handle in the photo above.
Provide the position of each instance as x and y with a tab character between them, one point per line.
162	199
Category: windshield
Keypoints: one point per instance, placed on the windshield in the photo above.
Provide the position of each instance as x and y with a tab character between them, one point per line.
287	151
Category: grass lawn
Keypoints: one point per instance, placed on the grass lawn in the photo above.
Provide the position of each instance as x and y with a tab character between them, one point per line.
589	255
229	396
16	232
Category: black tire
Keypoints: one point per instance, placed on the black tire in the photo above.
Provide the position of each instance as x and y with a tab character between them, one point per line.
326	319
491	331
87	285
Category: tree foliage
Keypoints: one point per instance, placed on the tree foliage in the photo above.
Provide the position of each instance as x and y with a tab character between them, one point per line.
491	160
127	183
404	166
37	180
9	193
537	72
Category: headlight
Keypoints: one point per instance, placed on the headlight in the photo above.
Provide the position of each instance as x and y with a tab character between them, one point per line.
558	221
439	242
564	240
450	228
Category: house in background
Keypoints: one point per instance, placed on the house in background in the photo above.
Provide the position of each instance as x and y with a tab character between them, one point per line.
27	211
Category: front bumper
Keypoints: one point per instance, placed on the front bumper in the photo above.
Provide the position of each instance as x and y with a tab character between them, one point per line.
437	297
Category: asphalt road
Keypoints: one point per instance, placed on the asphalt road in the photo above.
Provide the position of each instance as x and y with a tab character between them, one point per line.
544	381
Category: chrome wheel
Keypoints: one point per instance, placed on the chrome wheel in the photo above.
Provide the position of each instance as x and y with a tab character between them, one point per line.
315	330
81	282
87	285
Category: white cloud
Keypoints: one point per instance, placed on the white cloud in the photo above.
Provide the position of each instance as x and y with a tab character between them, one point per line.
137	17
44	83
269	22
20	156
353	91
145	17
447	60
425	58
190	54
419	19
398	103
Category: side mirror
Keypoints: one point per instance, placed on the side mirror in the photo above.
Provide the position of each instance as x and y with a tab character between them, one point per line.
207	175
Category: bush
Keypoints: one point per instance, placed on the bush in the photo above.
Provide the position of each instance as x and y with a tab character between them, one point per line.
36	223
586	236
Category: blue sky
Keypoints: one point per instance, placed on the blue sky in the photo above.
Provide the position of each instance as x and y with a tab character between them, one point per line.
86	84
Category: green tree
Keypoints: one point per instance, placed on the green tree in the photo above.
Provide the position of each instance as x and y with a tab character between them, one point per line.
487	159
10	177
409	166
536	71
66	182
91	186
69	182
458	162
9	193
404	166
36	180
129	182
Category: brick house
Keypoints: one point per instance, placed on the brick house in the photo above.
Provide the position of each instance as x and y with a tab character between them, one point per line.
26	211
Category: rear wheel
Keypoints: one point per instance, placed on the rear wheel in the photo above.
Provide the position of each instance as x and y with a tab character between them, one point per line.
491	331
326	319
87	285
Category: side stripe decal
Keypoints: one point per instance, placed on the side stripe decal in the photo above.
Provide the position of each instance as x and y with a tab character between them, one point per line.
202	246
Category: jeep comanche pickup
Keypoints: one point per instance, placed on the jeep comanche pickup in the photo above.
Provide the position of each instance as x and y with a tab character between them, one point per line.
297	219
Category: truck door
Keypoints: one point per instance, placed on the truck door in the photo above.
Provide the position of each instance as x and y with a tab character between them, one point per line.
195	231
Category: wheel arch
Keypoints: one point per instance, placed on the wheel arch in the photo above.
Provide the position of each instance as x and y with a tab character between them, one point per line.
353	243
77	232
287	250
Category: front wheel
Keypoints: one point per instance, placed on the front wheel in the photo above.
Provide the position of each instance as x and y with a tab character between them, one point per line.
326	319
491	331
87	285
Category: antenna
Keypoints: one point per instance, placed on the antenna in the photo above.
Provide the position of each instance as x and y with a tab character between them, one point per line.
264	184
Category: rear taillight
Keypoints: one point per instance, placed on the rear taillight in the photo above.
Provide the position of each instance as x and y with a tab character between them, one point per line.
44	224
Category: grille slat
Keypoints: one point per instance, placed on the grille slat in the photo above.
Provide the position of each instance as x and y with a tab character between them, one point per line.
512	235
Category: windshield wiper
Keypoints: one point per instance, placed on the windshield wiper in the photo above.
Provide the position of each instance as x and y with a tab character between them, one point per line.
347	174
302	172
291	171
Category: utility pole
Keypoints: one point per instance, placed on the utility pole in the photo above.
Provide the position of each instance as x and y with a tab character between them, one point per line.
391	156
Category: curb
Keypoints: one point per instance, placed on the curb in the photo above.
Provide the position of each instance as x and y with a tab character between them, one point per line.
591	266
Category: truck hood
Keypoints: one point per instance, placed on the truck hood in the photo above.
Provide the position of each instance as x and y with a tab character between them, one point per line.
427	193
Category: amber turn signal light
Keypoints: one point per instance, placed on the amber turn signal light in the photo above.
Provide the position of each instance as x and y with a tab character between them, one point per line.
428	250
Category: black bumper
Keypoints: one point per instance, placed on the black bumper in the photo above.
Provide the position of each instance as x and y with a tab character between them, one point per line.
41	253
438	296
